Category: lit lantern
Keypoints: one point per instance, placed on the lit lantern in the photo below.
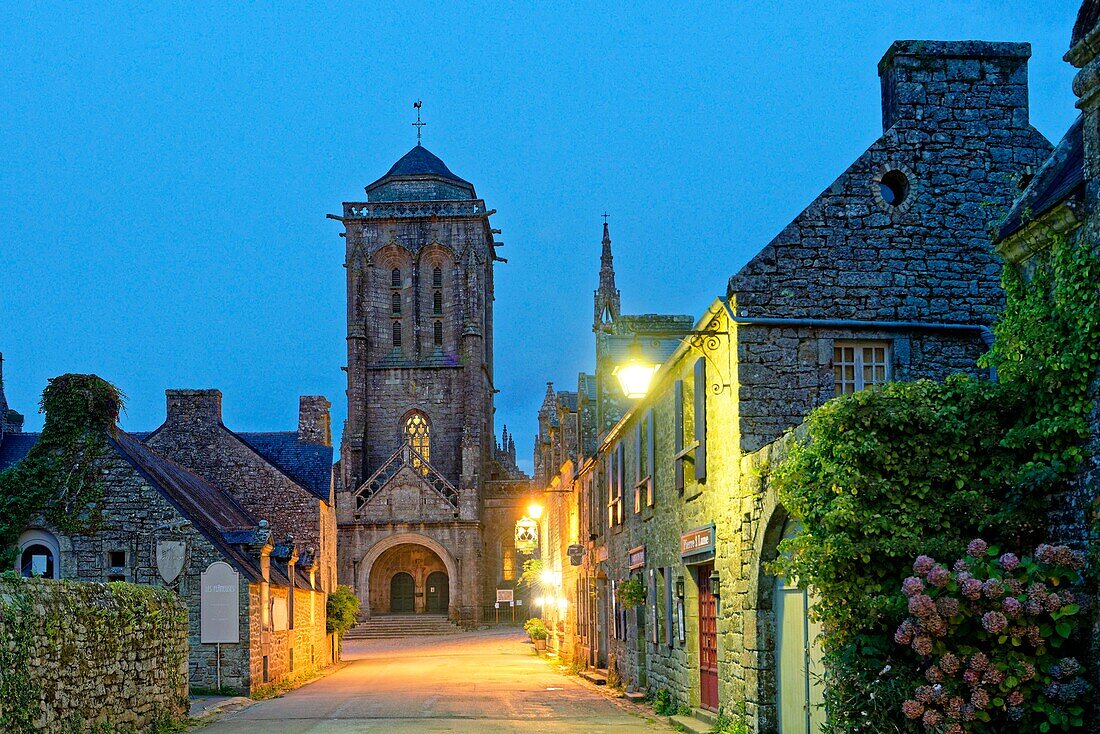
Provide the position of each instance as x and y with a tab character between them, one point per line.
635	373
527	535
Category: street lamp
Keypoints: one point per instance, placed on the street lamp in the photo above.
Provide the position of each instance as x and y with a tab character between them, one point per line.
534	510
636	372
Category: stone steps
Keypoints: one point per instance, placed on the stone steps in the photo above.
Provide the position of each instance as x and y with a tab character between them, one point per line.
398	626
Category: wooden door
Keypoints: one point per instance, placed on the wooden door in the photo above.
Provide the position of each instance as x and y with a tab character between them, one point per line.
708	640
401	593
438	594
799	687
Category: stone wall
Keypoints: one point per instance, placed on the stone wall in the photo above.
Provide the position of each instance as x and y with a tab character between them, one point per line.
901	235
279	651
81	655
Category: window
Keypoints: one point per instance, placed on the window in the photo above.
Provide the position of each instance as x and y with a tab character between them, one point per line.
418	435
396	334
395	304
638	478
893	187
437	333
437	303
395	278
437	278
508	564
116	559
859	365
37	561
615	487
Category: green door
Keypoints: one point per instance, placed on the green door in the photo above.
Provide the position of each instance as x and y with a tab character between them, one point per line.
799	687
401	593
438	595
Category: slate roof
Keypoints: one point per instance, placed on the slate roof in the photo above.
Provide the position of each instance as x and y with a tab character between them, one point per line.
568	400
308	464
586	385
1060	177
420	163
14	446
213	513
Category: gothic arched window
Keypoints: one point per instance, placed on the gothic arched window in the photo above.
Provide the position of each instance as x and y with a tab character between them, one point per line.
437	303
437	329
397	334
395	278
395	304
418	435
437	278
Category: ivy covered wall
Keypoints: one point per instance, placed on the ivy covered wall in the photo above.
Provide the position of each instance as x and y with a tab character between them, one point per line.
77	656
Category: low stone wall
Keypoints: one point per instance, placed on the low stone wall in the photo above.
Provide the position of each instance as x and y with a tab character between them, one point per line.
75	656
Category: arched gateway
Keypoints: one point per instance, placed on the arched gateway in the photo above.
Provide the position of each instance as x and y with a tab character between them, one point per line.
407	573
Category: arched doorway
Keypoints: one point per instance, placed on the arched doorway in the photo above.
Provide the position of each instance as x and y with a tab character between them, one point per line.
402	593
438	598
799	687
411	577
39	555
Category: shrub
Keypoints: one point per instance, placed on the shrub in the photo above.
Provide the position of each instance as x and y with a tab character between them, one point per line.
343	610
536	628
631	593
988	635
663	702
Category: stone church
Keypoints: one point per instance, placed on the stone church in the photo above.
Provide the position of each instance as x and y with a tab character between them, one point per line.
426	498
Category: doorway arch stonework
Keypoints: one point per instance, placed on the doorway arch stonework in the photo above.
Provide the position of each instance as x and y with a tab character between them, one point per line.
375	552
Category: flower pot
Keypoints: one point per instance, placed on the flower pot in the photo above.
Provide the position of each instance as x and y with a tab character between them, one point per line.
540	645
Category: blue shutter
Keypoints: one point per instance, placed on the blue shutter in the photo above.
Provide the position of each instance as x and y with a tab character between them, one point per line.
700	395
678	433
650	446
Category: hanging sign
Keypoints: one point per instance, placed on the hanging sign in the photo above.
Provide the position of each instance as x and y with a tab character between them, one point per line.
601	554
697	542
576	554
527	535
219	608
635	557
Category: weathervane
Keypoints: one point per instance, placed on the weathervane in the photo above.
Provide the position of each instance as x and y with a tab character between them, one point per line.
418	124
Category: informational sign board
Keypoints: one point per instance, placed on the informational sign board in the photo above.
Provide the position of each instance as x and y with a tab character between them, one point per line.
601	554
219	604
635	557
697	542
505	595
279	613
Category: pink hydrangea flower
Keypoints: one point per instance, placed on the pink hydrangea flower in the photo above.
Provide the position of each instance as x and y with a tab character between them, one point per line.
921	606
932	719
994	622
934	674
993	588
912	586
1012	606
948	606
939	576
1015	698
912	709
923	564
972	589
950	663
904	633
977	548
923	694
923	645
1009	561
979	697
978	661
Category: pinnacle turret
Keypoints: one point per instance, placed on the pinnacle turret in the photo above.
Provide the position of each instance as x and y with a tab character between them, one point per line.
607	295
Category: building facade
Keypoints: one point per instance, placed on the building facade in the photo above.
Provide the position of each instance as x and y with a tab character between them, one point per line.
419	459
163	523
888	275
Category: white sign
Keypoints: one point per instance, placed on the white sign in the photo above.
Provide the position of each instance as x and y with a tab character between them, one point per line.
278	613
504	595
219	604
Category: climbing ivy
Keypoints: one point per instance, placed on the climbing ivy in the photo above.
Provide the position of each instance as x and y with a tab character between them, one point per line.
59	477
917	468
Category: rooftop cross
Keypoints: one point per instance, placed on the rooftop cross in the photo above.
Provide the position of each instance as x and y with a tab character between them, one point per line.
605	216
418	124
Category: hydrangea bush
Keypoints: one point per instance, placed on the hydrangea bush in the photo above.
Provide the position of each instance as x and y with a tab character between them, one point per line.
990	634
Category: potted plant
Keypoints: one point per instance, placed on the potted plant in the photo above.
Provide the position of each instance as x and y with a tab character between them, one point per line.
536	628
631	593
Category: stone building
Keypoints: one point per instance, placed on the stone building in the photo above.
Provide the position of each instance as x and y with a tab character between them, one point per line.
888	275
418	466
1062	200
167	525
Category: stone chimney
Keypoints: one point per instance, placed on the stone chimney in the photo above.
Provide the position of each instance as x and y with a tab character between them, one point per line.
203	407
927	83
314	420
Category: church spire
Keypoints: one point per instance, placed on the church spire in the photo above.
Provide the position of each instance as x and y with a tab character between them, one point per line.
607	295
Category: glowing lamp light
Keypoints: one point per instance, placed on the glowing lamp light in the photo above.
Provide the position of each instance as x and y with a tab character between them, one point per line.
547	577
635	373
534	510
563	604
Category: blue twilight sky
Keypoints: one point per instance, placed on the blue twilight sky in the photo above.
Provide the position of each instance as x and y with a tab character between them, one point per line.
165	172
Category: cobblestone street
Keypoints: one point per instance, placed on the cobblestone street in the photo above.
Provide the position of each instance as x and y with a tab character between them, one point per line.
487	681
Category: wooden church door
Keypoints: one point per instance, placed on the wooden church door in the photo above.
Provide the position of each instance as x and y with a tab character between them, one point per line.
401	593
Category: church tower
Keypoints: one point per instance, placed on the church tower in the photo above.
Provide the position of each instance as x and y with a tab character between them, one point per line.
418	444
606	310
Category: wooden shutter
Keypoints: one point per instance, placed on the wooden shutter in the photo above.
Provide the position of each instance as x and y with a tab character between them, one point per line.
638	499
700	395
678	432
621	479
650	446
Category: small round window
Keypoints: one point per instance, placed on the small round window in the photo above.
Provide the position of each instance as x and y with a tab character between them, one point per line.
894	187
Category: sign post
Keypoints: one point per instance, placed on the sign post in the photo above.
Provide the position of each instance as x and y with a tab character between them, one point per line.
219	608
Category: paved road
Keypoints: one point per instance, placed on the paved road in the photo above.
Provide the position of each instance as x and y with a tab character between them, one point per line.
474	682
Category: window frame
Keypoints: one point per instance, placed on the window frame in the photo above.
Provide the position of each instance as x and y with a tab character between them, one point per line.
859	366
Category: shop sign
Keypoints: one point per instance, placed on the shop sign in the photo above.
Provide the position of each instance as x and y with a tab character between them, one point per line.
635	557
527	535
696	542
601	554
